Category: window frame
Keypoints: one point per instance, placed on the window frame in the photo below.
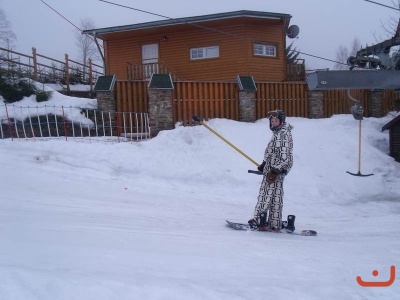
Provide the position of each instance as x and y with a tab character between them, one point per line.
265	47
203	51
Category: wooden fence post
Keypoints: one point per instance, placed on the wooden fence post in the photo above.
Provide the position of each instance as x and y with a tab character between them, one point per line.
35	70
67	72
90	75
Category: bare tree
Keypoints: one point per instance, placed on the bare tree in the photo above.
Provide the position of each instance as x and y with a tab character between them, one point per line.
86	44
355	46
342	54
390	26
7	36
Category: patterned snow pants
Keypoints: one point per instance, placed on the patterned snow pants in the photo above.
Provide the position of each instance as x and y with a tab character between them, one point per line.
270	202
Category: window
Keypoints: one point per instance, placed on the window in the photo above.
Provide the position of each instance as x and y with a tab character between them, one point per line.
265	50
204	52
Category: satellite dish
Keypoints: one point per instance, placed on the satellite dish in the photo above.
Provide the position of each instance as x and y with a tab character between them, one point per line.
293	31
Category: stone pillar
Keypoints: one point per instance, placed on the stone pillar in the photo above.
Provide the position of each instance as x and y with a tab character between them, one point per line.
106	102
160	110
315	104
247	106
375	108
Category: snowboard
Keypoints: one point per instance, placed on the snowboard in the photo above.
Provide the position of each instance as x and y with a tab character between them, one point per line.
240	226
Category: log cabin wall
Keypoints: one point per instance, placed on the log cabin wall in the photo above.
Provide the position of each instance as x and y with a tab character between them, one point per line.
235	38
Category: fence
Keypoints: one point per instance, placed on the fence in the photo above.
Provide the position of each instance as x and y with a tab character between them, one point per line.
45	69
204	99
47	122
291	97
220	99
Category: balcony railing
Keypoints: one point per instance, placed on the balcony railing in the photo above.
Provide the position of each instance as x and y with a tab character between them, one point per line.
143	71
296	71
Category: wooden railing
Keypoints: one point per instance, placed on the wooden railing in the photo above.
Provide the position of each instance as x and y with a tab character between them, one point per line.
296	71
45	69
143	71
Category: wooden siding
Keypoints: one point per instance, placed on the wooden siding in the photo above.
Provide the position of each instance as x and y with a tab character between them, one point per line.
389	99
395	141
131	96
266	68
337	101
234	38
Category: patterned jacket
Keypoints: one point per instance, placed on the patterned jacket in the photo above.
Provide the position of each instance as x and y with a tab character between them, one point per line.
279	152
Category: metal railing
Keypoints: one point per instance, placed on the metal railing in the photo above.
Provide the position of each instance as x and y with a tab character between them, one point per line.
79	124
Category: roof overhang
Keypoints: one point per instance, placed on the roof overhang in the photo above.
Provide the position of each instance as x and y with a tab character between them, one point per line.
391	123
101	33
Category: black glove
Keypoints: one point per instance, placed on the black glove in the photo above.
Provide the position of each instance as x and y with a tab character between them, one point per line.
272	175
277	171
261	167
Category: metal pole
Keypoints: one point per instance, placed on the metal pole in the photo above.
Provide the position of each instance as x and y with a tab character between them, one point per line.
225	140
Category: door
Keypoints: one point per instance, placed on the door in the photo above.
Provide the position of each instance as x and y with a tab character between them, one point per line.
149	60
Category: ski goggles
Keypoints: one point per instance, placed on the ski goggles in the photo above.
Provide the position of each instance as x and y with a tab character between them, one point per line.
272	114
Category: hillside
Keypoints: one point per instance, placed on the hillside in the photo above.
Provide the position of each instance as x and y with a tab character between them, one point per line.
96	220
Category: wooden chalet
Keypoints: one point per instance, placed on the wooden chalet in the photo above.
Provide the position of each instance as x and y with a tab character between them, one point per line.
215	47
205	57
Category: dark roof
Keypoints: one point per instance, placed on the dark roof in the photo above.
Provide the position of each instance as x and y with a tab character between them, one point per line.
391	123
188	20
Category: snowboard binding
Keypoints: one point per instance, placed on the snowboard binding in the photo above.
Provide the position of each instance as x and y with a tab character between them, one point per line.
288	225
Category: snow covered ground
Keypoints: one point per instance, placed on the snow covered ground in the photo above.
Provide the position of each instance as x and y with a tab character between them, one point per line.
82	220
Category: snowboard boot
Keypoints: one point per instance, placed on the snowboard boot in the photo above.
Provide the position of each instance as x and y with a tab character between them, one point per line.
290	223
263	222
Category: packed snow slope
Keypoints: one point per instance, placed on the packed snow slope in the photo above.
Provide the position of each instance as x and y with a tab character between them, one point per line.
95	220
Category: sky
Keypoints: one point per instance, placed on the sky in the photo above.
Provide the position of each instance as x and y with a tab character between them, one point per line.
90	219
324	25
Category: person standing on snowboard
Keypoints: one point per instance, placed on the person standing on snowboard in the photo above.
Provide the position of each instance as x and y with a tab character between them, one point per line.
278	160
